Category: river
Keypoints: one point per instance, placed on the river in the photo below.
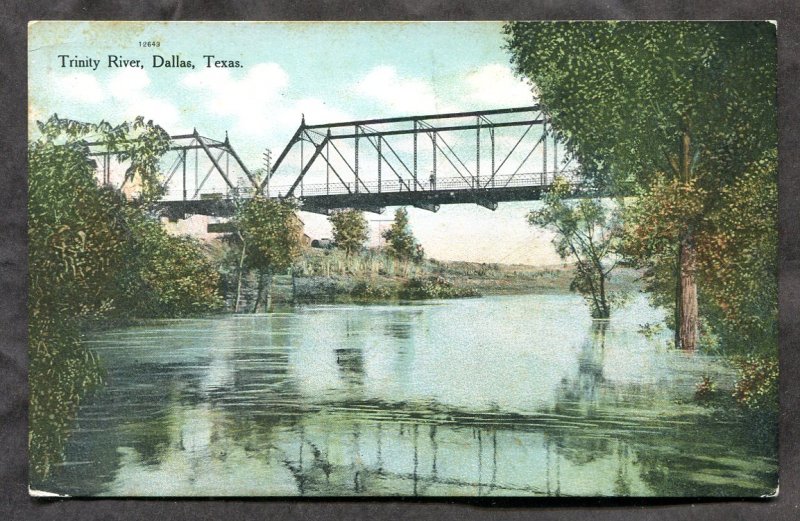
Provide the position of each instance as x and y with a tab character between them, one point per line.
503	395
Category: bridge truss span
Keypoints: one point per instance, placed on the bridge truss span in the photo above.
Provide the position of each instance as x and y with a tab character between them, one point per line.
482	157
479	157
194	168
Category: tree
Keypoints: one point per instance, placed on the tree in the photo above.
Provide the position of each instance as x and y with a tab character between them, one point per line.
400	242
737	256
350	230
94	255
271	236
686	105
139	143
587	232
167	276
75	252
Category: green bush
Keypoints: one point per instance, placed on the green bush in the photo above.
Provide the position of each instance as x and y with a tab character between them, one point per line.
433	288
166	275
369	291
705	389
757	383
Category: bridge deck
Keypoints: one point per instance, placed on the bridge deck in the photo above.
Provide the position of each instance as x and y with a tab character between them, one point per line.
322	198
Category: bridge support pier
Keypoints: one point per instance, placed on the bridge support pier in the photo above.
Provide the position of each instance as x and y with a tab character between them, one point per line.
431	207
486	203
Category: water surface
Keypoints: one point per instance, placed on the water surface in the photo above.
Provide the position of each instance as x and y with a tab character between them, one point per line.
506	395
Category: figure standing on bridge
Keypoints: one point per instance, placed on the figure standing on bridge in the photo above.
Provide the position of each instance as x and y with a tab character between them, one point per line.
432	180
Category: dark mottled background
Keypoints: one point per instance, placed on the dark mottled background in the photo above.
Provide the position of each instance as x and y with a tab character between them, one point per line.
15	503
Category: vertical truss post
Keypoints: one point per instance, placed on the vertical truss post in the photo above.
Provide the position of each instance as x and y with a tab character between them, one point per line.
380	162
355	168
328	164
555	155
478	152
415	155
214	161
544	151
183	160
302	164
491	134
228	162
196	167
433	139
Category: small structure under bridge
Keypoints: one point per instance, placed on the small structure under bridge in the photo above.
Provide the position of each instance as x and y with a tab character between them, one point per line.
481	157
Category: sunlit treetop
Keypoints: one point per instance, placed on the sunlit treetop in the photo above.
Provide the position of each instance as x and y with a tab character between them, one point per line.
624	94
140	144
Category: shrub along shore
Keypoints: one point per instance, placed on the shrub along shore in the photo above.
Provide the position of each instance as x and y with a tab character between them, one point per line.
374	276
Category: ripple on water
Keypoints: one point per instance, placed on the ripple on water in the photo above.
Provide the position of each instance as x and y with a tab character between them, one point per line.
520	395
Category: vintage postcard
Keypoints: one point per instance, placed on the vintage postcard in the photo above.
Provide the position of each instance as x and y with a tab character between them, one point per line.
403	259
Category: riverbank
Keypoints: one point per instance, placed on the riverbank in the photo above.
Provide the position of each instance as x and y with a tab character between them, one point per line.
372	276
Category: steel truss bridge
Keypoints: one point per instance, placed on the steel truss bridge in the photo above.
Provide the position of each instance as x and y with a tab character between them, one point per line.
481	157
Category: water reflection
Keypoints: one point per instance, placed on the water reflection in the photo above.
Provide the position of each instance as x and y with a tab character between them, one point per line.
448	398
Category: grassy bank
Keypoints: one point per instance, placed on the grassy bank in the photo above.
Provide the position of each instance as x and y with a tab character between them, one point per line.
373	276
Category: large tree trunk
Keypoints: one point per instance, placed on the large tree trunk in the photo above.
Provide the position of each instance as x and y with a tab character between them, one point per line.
688	297
688	313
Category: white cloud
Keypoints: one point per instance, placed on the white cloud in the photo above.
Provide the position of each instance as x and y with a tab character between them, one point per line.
128	84
401	95
81	87
495	86
129	90
258	103
160	111
248	99
122	96
490	86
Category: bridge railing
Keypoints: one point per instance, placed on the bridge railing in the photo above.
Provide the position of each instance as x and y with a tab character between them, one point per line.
531	179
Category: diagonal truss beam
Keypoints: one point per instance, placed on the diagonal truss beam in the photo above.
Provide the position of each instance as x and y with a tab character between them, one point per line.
429	124
214	161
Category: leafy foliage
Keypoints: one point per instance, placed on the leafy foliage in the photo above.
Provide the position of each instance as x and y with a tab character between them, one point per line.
61	371
94	255
167	276
139	143
757	384
622	95
367	290
400	242
677	114
272	232
77	234
419	288
271	235
738	260
588	233
350	230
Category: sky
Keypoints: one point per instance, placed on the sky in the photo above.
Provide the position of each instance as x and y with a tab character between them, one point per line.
326	72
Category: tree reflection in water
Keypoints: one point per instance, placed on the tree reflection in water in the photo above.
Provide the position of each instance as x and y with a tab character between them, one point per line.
253	418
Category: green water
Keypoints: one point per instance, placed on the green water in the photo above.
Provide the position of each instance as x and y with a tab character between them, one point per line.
511	395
